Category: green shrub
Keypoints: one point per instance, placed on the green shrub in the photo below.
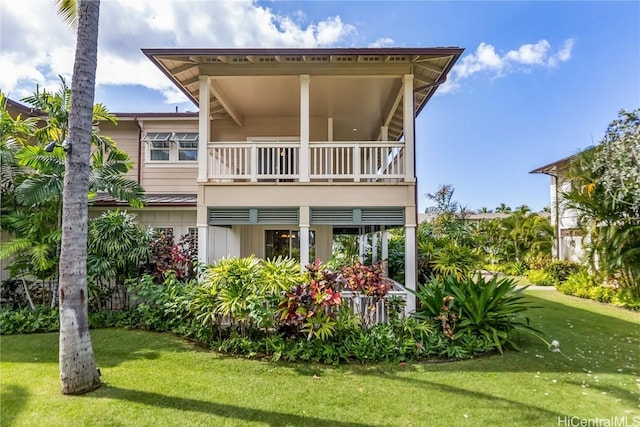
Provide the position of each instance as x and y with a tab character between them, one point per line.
47	319
515	268
624	297
540	278
561	270
584	285
492	308
539	261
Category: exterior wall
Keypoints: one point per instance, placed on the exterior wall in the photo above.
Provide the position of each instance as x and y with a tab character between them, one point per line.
125	135
180	219
569	241
309	194
169	177
228	131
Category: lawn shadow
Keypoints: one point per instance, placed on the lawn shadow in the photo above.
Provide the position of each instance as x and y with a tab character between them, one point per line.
239	413
12	399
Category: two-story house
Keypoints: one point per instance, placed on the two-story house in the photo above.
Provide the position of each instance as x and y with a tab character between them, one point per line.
289	147
568	237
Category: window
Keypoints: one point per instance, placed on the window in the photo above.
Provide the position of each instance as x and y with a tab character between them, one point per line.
172	147
187	146
159	146
286	243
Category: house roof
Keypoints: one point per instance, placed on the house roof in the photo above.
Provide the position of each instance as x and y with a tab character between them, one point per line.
362	104
553	167
158	200
15	108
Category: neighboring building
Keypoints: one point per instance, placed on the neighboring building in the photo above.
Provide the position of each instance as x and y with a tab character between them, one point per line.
568	240
289	147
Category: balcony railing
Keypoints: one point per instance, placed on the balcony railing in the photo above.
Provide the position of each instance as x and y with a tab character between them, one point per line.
328	161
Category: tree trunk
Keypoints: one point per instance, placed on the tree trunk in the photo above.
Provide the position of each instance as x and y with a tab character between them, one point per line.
78	370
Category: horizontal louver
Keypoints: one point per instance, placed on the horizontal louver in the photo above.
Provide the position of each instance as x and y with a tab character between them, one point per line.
278	216
229	216
341	216
382	216
357	216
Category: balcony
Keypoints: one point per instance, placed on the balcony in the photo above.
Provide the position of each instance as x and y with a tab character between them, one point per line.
352	161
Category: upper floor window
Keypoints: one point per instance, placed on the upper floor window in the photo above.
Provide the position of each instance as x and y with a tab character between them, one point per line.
171	147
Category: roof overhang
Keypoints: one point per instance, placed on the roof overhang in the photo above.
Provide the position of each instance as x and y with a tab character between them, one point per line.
552	168
360	88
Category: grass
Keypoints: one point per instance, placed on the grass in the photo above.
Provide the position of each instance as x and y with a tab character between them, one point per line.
153	379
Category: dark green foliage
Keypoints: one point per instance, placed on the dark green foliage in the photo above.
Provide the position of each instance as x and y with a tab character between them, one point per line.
489	309
117	250
561	270
47	319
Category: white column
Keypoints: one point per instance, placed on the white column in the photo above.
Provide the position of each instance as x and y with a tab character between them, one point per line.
330	129
361	243
304	127
204	129
409	137
385	244
374	247
410	267
203	243
384	133
304	236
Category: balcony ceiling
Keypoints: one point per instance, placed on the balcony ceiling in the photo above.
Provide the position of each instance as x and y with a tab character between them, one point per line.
360	89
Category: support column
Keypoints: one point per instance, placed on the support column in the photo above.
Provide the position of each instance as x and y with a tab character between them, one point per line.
304	236
410	267
384	133
330	129
361	244
304	127
374	247
384	249
204	128
385	244
409	132
203	243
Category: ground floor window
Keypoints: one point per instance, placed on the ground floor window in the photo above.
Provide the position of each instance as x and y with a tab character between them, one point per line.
286	243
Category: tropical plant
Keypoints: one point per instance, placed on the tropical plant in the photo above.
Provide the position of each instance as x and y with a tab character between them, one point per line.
118	249
491	309
605	193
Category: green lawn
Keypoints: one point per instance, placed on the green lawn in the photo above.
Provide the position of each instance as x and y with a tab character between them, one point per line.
153	379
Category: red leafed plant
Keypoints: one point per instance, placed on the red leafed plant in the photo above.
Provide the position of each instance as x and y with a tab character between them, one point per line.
369	286
367	279
311	307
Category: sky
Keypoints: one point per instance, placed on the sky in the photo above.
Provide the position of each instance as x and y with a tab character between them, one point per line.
538	81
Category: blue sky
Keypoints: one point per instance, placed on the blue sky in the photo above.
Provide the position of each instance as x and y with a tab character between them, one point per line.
541	80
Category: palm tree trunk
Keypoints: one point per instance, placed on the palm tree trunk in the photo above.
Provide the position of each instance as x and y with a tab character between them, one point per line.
77	364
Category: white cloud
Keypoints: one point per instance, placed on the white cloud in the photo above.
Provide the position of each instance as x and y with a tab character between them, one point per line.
524	59
36	45
383	42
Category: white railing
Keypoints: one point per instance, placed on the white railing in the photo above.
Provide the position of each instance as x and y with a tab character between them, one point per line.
355	160
347	161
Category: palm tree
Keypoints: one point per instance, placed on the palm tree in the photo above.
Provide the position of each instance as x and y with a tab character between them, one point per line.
503	208
78	371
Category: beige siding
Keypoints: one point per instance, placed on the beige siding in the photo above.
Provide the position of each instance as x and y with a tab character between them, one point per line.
125	134
174	177
164	179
